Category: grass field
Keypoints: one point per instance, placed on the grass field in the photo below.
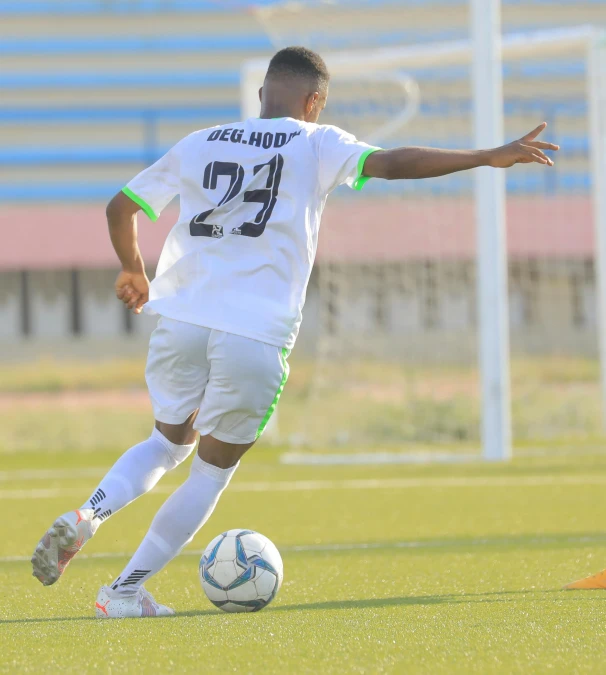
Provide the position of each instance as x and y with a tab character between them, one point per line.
387	570
393	569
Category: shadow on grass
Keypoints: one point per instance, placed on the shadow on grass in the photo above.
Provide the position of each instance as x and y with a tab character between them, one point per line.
403	601
367	603
447	599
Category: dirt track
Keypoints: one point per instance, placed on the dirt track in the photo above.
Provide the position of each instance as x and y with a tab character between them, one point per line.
135	399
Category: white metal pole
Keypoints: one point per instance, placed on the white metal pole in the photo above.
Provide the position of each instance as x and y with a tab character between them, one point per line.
252	73
493	313
596	82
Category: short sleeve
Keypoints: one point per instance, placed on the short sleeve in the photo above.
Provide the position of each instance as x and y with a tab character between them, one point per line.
342	159
157	185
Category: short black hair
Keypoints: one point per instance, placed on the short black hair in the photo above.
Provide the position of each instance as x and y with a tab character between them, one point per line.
299	62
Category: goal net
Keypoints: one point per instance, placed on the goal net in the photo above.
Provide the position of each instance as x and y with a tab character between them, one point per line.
387	358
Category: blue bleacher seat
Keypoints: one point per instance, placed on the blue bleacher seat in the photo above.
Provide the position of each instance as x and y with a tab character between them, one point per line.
154	6
226	80
251	43
574	145
231	78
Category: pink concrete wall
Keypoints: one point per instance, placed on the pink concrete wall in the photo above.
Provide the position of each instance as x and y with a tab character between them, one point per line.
60	236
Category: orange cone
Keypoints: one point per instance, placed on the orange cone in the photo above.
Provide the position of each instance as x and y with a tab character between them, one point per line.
592	583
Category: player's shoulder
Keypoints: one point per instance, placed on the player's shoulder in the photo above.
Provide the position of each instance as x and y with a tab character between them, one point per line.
330	129
328	137
330	132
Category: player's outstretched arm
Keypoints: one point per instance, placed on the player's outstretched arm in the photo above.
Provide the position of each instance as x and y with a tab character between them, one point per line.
132	284
431	162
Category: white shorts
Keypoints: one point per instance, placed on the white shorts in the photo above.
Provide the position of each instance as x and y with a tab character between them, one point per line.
234	381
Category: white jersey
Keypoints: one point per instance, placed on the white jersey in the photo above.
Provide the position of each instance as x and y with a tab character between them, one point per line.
252	194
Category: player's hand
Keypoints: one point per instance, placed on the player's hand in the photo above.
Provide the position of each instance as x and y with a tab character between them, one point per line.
525	151
133	289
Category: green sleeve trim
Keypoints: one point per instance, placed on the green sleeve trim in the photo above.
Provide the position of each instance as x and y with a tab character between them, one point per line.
284	355
361	180
142	203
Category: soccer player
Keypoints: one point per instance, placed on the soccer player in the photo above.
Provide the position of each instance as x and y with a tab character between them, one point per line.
229	289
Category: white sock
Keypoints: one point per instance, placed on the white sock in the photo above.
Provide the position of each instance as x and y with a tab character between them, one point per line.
136	473
176	523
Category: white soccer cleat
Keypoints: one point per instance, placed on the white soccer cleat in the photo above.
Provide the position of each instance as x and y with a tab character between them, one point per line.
62	541
113	605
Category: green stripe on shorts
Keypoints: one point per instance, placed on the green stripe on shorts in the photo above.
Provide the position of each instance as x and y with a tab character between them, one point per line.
284	355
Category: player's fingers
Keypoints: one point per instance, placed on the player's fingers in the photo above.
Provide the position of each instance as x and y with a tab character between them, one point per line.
535	152
538	159
132	302
543	145
527	155
140	302
124	291
535	132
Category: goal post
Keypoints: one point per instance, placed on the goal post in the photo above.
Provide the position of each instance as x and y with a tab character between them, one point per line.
443	248
596	80
490	195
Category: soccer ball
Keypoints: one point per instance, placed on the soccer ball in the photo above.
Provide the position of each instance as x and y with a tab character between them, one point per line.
241	571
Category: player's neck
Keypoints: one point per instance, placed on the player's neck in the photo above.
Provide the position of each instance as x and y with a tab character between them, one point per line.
271	112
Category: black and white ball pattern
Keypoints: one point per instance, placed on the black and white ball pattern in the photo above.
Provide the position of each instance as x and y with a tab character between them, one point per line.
241	571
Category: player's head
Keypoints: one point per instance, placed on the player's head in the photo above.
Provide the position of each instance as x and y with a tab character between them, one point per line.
296	85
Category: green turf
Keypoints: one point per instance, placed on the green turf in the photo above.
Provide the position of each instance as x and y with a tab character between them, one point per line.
462	574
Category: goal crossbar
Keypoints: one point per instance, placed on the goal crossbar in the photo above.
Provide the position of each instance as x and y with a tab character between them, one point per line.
454	53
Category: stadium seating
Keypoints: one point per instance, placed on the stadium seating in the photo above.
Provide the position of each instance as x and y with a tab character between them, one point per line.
84	109
112	102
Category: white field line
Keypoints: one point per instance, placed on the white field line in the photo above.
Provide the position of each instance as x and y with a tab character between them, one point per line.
370	546
379	458
355	484
375	458
52	474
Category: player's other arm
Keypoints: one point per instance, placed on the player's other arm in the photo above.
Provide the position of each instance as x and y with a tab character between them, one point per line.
431	162
132	284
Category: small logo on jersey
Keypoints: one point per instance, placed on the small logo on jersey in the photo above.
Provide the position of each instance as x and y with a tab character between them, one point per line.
217	232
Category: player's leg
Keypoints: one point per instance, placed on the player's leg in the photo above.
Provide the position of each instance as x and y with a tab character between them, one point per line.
245	383
175	524
139	469
136	472
176	373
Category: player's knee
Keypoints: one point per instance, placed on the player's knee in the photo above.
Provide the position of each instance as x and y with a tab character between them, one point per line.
220	454
177	452
181	434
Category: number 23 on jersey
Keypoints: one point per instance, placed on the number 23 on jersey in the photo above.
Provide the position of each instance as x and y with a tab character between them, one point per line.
202	225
